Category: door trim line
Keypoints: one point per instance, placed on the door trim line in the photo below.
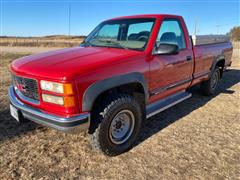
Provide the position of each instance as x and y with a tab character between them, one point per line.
198	75
165	88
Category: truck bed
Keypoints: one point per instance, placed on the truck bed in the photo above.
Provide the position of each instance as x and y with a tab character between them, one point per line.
209	39
206	54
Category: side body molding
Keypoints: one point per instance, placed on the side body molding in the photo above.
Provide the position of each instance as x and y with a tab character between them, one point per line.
94	90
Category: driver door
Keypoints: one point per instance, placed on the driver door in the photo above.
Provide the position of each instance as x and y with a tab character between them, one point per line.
171	73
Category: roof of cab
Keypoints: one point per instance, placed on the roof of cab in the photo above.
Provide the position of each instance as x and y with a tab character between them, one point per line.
147	16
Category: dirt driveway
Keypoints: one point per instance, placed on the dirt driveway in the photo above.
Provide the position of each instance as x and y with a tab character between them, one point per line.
198	138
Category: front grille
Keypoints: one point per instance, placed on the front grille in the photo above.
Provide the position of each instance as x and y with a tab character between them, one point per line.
27	87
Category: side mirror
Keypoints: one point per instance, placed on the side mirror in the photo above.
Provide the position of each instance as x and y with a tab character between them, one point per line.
166	49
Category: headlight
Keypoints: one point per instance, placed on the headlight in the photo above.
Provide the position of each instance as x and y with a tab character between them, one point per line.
53	99
56	87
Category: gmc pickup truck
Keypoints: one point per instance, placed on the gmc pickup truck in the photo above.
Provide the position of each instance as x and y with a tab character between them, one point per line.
127	70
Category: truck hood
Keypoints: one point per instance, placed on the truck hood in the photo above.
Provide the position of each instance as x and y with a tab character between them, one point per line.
67	63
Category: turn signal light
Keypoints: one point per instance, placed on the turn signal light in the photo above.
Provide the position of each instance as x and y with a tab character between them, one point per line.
67	101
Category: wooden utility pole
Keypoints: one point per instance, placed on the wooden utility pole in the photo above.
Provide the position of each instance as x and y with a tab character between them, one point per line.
218	28
69	23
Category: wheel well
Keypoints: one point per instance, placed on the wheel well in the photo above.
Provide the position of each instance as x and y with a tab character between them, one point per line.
134	89
221	64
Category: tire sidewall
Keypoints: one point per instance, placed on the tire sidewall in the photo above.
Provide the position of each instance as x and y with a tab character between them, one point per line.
212	90
106	144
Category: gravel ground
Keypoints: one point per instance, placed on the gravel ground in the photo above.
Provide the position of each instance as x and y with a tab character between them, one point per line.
196	139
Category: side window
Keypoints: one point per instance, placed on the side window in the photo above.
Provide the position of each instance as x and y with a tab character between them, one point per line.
171	32
109	31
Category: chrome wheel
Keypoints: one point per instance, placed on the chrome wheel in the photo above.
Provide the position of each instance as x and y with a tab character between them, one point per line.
121	127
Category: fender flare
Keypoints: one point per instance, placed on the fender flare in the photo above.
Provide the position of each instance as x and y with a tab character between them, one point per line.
215	61
94	90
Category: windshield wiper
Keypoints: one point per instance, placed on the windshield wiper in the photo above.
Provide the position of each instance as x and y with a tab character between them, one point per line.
86	43
114	43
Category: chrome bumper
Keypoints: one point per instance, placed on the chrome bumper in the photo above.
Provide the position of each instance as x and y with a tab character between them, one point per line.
71	125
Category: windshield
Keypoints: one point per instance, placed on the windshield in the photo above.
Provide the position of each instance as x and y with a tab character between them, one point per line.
125	34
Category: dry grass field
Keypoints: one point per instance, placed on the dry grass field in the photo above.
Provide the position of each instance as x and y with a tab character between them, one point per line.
47	41
196	139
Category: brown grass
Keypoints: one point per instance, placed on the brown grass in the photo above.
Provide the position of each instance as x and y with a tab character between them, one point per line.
196	139
236	44
48	41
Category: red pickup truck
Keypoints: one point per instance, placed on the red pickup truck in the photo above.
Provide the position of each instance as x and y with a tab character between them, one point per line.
127	69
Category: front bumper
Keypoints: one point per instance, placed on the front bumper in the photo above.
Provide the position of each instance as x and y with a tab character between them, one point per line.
70	125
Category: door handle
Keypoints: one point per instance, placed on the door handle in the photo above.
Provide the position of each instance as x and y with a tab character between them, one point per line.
189	58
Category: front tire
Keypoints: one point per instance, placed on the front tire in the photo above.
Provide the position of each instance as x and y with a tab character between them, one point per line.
209	87
120	122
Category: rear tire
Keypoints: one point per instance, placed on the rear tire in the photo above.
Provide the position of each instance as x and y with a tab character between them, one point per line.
209	87
120	120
